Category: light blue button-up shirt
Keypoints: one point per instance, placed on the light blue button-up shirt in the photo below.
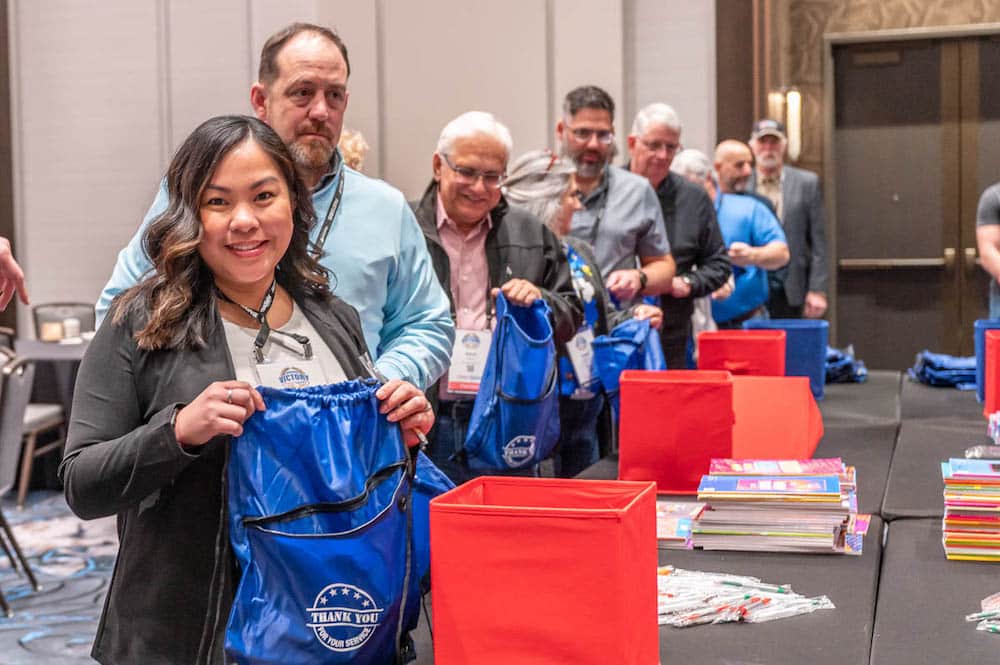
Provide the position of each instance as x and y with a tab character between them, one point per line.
378	262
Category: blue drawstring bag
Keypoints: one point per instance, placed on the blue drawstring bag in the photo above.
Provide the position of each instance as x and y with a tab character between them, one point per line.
428	483
320	496
515	419
632	344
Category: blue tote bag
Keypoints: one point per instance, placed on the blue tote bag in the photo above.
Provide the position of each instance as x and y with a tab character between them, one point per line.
515	419
321	512
632	344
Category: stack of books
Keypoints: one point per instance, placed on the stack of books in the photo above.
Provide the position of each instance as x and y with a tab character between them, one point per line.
970	530
673	523
780	506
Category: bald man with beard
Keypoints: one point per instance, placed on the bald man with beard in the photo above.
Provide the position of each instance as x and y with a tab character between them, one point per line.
754	239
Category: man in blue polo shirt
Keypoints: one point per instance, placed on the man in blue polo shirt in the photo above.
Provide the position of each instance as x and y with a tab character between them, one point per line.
372	245
753	237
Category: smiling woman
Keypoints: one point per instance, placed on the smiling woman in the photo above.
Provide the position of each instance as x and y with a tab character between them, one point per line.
237	299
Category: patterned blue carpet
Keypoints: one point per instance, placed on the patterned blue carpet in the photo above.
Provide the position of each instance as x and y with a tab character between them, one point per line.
72	560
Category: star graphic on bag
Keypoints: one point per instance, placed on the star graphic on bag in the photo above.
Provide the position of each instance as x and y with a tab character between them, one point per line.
344	591
322	600
357	596
365	603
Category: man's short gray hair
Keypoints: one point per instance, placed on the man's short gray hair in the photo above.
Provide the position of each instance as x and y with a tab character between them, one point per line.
657	113
691	162
474	123
537	181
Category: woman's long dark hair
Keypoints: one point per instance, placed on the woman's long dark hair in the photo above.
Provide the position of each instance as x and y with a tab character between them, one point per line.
179	300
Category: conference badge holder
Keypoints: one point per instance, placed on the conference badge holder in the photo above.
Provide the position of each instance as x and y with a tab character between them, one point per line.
468	360
285	375
580	350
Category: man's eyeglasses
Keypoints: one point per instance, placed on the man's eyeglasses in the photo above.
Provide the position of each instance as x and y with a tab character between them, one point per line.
467	176
657	146
584	134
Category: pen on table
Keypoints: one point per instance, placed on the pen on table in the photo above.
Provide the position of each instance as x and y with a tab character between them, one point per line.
978	616
759	587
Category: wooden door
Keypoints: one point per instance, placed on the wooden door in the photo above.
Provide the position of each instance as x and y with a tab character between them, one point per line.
912	135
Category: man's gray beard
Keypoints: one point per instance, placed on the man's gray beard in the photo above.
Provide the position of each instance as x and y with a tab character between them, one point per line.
313	157
585	171
769	162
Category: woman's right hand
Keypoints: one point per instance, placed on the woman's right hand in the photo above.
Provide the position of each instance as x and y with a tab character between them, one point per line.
221	408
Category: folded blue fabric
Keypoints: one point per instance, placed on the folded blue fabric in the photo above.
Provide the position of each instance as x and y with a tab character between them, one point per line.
939	369
843	367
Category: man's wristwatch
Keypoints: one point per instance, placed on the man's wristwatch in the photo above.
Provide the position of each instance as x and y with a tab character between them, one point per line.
687	279
643	278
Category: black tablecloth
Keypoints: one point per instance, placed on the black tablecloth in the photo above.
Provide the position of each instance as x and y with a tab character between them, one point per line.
841	636
923	599
914	485
917	400
873	402
869	449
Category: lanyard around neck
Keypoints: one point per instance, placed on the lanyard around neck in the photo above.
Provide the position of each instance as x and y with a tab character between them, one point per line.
260	316
331	212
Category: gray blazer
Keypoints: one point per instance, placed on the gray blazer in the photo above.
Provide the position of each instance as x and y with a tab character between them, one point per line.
802	221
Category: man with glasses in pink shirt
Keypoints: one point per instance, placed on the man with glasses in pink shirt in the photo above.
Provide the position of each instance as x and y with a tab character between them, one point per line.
621	217
481	245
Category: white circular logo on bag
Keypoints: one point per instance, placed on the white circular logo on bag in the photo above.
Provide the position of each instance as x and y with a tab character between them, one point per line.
343	617
293	377
519	451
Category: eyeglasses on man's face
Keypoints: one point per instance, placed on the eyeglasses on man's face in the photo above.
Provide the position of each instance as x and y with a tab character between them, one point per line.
660	146
584	134
467	176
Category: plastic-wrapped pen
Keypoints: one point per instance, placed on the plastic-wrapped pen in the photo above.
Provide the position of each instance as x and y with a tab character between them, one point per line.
382	378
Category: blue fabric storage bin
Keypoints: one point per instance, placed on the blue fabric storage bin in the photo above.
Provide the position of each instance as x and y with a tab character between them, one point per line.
981	326
805	347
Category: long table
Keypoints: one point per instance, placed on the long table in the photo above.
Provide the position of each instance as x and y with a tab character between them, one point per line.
923	599
904	605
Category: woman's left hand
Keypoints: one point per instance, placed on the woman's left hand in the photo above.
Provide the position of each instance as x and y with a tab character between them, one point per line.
654	314
404	403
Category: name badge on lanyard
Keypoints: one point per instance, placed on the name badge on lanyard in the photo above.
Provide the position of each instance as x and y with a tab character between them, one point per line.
581	355
282	373
468	361
290	374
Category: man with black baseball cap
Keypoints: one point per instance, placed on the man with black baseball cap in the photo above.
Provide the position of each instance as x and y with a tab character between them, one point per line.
800	288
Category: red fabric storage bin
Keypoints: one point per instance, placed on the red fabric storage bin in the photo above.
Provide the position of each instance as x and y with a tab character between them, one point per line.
743	352
539	571
776	418
672	424
991	381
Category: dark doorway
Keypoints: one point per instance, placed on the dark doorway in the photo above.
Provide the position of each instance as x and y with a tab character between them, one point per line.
914	122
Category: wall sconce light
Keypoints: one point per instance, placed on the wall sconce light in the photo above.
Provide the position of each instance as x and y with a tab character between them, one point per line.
785	104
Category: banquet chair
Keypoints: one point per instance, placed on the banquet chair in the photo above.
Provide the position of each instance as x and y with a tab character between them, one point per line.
18	422
57	312
27	420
